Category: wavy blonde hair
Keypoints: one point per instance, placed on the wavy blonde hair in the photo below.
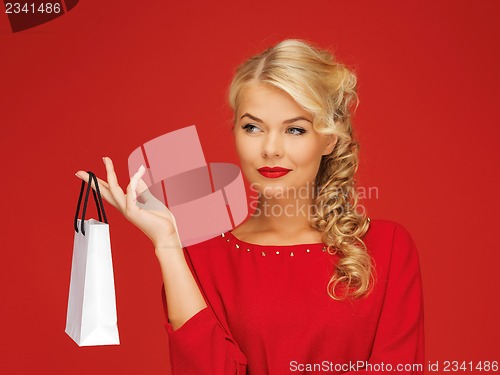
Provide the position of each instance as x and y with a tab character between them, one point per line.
327	89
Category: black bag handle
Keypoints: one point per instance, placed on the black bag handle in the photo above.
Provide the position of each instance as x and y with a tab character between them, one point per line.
97	199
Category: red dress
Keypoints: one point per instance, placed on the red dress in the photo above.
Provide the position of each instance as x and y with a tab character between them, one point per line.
269	312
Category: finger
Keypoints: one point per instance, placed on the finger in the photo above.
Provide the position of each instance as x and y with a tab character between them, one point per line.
85	176
134	182
103	187
131	197
114	188
141	187
150	202
144	195
143	192
110	169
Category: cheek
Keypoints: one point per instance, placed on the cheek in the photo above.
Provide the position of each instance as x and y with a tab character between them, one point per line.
308	155
244	150
238	145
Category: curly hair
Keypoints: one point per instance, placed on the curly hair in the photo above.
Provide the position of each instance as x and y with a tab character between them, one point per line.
327	89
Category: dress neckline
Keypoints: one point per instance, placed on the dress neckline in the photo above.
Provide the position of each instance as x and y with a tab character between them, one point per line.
230	236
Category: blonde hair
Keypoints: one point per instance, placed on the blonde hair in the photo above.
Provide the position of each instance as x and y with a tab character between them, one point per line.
327	89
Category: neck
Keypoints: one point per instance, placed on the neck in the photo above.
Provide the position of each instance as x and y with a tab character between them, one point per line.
282	215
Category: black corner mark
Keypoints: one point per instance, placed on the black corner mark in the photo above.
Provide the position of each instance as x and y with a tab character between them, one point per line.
27	14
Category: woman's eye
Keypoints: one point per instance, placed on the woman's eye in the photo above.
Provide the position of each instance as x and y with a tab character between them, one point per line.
249	128
295	131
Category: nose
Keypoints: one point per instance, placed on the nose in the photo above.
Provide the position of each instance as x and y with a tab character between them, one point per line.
272	146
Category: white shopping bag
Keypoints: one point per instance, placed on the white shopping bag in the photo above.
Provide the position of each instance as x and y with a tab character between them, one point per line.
91	315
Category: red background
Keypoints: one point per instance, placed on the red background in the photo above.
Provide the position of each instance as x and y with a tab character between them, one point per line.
109	76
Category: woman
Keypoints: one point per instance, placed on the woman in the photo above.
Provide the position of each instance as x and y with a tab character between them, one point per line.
307	283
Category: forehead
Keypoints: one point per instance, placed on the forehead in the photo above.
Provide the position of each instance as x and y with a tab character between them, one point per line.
267	101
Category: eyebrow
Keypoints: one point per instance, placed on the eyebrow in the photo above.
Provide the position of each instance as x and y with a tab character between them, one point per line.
284	122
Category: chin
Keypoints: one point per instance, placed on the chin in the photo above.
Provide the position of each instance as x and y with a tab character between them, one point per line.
271	189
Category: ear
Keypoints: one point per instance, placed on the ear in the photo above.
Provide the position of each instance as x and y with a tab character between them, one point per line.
330	144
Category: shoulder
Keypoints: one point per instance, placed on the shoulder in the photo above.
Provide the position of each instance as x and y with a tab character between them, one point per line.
386	230
390	239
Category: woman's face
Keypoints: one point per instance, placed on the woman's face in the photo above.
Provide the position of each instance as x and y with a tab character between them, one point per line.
279	149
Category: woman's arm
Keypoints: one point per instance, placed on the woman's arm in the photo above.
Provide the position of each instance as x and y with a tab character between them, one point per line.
159	225
198	344
181	291
399	340
202	345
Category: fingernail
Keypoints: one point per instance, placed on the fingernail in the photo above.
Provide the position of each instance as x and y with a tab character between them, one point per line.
76	174
104	159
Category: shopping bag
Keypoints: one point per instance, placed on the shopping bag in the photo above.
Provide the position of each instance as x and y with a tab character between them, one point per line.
91	316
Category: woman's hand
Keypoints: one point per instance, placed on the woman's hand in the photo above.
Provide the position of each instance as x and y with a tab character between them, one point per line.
139	206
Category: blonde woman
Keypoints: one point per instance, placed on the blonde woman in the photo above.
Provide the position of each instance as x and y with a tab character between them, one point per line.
307	283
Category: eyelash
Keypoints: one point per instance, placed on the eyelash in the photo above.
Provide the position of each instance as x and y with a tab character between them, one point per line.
300	130
249	127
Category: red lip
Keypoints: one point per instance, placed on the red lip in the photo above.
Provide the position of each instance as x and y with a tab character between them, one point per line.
273	172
